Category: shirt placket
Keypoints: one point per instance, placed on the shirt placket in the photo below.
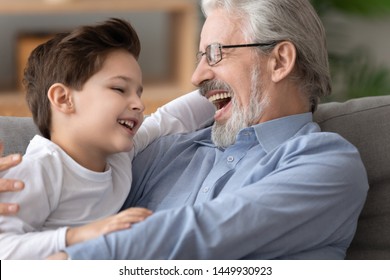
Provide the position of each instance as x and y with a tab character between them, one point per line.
224	166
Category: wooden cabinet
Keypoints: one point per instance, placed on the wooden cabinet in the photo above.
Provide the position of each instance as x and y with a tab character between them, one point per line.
183	30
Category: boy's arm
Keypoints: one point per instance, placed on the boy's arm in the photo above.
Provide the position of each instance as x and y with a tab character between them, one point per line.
31	245
184	114
120	221
20	236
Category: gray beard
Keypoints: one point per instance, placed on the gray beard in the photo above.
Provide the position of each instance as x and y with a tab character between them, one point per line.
224	135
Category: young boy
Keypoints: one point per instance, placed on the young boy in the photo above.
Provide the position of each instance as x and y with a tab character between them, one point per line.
84	89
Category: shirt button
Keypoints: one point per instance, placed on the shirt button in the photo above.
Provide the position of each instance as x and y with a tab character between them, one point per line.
205	190
230	158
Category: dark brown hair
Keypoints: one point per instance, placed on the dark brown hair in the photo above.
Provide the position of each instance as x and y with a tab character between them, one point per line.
71	59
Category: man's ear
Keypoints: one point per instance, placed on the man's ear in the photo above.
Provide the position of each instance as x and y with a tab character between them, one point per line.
61	98
283	59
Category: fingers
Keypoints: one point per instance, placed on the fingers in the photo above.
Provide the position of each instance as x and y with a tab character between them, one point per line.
116	225
10	185
137	210
8	208
9	161
120	221
134	215
126	218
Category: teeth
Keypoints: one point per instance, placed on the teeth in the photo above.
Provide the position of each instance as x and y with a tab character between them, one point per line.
219	96
129	124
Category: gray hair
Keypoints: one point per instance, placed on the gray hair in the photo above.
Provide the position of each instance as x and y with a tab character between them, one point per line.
285	20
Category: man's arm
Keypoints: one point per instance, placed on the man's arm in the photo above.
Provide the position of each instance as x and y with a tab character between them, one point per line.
306	208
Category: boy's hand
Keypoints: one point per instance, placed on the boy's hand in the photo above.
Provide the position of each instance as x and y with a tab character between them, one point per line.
122	220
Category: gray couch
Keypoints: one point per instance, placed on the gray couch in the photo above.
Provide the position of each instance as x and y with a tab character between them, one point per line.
365	122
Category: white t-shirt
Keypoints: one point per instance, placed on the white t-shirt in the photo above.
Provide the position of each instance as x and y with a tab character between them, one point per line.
60	193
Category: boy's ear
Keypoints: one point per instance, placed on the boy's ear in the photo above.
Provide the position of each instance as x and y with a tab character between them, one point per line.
61	98
283	59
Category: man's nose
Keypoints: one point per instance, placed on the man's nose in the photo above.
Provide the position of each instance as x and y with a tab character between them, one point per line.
203	72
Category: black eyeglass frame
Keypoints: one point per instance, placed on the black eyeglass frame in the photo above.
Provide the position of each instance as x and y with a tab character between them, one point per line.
220	47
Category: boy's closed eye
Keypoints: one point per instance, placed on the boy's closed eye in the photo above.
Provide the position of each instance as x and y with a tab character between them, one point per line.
118	89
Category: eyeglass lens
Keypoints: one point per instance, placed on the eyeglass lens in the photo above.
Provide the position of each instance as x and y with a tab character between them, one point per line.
213	54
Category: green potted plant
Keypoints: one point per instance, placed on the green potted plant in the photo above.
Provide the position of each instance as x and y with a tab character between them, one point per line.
354	73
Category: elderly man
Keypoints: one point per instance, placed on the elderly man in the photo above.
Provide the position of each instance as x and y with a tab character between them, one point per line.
263	182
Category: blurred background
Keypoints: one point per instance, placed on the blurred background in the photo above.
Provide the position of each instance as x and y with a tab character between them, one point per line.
357	31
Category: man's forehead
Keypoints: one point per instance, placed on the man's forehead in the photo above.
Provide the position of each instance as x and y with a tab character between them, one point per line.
219	28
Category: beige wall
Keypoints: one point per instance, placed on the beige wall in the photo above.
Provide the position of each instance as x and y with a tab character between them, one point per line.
151	27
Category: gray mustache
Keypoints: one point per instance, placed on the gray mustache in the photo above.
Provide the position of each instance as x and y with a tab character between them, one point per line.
213	85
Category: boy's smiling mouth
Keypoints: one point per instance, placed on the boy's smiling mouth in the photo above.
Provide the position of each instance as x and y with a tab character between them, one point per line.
128	124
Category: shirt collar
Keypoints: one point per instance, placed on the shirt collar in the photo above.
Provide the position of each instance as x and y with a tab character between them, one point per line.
272	133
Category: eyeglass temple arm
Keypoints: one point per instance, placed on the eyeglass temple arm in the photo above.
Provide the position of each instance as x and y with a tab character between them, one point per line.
249	45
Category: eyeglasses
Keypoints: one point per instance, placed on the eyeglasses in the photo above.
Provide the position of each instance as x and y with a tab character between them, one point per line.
214	51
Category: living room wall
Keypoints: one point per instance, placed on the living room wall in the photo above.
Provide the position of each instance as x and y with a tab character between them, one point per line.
151	27
352	32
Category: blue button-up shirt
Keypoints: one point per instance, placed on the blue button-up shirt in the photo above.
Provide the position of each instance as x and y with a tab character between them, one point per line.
284	190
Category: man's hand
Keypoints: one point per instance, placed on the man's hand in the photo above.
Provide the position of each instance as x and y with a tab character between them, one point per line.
122	220
9	185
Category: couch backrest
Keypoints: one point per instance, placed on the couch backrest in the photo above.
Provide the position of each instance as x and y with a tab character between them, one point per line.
365	122
16	133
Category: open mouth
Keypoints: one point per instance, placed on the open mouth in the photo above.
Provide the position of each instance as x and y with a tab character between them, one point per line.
127	124
220	100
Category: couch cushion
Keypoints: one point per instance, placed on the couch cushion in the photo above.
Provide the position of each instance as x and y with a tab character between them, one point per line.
365	122
16	133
